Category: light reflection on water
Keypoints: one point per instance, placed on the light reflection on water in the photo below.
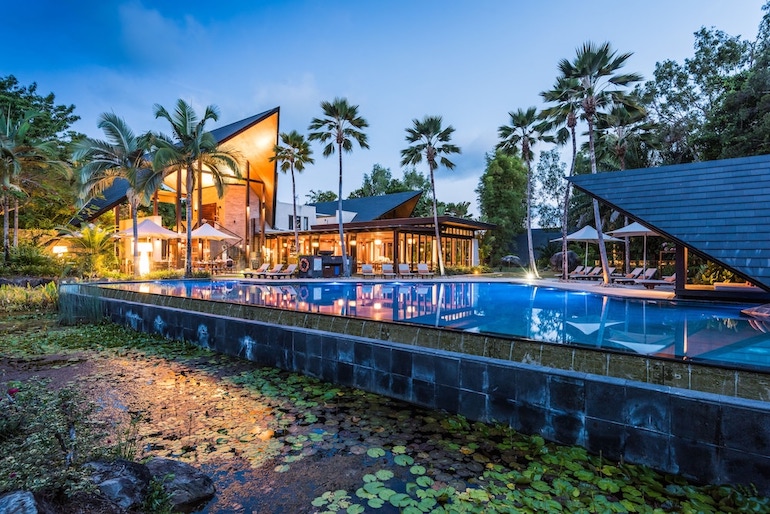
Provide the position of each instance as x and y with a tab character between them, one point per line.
700	331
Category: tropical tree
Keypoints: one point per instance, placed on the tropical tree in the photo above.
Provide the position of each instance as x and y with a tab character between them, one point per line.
191	144
563	117
338	128
293	156
18	153
428	138
599	86
123	155
526	129
93	245
321	196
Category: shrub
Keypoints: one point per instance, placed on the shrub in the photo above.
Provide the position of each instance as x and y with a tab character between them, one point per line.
31	261
20	299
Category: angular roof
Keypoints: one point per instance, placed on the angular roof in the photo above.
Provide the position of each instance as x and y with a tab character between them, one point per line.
395	205
116	194
718	209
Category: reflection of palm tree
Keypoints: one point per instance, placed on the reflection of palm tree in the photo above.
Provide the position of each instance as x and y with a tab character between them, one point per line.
189	145
525	129
429	138
596	70
121	156
340	126
293	156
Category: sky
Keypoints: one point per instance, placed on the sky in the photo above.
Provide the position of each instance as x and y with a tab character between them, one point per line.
469	62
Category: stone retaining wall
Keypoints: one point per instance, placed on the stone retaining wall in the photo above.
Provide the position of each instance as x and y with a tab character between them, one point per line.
674	417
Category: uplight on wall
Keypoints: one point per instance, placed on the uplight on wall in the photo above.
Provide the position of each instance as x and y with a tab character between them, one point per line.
145	249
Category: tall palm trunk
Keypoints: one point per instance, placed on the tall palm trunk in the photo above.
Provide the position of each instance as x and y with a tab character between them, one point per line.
6	249
188	209
345	267
440	252
530	244
296	222
565	218
134	204
597	216
15	222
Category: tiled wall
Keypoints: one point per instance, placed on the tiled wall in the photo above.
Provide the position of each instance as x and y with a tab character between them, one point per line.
566	396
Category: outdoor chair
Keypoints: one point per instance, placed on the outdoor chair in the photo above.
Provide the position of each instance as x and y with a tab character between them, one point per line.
288	272
580	273
591	274
387	271
367	270
404	271
276	269
257	272
424	271
628	278
650	283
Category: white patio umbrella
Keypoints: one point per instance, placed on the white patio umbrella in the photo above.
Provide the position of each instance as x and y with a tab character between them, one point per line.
206	231
635	230
148	228
588	234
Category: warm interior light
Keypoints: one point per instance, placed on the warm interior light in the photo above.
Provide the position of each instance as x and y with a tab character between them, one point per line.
145	247
58	250
377	242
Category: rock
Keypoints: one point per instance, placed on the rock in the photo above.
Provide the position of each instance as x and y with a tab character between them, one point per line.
123	482
572	260
186	486
18	502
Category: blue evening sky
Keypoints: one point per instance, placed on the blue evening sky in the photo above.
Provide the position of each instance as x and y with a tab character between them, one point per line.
470	62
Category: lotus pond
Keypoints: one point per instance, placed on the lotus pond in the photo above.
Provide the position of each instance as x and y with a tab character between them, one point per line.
283	443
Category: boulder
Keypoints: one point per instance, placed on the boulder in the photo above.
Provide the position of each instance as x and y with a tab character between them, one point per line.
572	260
186	486
124	482
18	502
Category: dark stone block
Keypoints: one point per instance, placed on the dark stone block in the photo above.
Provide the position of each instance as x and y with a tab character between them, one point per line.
346	350
531	387
401	361
473	405
696	421
300	362
329	370
528	418
648	409
500	408
447	370
744	468
473	375
605	437
447	398
424	393
567	394
329	348
363	377
301	341
695	461
382	357
424	367
363	354
503	380
313	366
649	449
401	386
381	382
745	427
605	399
568	428
344	374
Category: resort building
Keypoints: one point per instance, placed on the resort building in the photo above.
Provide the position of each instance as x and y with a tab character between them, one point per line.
252	227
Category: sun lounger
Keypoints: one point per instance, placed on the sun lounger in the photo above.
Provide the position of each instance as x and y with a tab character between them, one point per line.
257	272
276	269
581	272
424	271
404	271
650	283
387	271
628	278
289	271
593	274
367	270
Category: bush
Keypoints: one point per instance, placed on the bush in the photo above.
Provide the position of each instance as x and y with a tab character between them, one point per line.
31	261
20	299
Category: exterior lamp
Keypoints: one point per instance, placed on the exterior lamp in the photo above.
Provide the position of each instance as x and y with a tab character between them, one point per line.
144	258
59	250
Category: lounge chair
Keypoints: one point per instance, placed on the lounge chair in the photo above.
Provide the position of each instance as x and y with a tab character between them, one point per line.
650	283
404	271
578	270
581	272
593	274
628	278
424	271
276	269
367	270
288	272
257	272
387	271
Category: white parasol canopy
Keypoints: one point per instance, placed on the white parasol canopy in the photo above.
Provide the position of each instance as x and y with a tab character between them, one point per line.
635	230
148	228
206	231
588	234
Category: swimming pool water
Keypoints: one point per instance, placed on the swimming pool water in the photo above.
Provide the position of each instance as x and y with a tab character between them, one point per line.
683	330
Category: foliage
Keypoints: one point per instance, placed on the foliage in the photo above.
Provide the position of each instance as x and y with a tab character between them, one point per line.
501	193
94	250
55	430
709	273
339	127
24	299
321	196
293	156
550	187
28	260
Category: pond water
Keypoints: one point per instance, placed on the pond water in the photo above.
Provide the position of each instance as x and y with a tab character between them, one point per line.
704	332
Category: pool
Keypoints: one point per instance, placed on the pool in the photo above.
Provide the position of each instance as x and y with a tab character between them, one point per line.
701	332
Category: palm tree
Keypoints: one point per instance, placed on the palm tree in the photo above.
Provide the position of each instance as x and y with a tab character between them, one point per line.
189	145
596	69
293	156
526	129
340	126
564	116
122	156
428	138
18	153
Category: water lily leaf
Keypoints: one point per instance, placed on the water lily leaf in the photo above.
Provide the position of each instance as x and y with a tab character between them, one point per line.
400	500
417	470
403	460
375	452
384	474
541	486
375	503
283	468
373	487
397	450
424	481
369	478
355	509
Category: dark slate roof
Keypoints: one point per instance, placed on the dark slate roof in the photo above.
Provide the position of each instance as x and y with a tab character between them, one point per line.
719	209
116	194
371	208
